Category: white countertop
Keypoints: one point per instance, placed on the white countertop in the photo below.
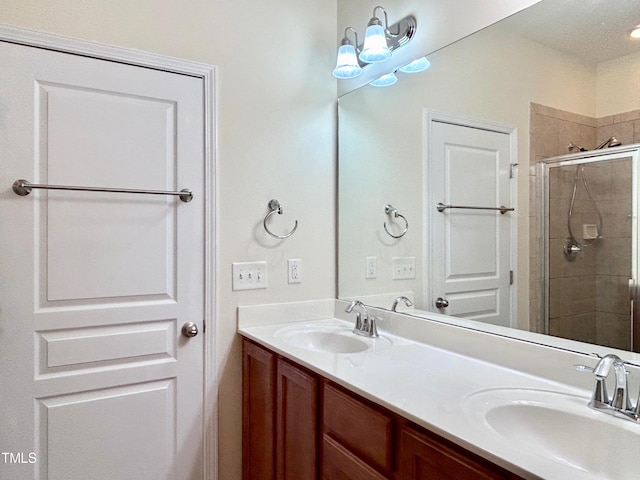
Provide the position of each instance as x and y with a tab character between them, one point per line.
425	383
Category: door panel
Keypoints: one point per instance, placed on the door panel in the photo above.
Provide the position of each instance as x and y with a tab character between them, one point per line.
145	453
73	232
97	379
471	256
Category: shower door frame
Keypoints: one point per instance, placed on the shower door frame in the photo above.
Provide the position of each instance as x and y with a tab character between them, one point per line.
588	157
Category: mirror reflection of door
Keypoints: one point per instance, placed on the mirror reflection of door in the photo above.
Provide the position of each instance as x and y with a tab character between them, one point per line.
590	247
471	253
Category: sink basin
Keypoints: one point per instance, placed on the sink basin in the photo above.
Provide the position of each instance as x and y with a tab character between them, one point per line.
559	427
327	339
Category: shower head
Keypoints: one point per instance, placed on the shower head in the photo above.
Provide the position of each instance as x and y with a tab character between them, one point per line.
572	146
612	141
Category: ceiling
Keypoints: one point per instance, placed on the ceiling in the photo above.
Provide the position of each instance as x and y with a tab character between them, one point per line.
593	30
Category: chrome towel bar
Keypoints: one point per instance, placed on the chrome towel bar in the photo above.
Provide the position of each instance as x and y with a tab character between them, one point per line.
24	187
442	207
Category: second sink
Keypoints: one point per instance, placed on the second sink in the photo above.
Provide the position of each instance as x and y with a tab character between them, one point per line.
559	427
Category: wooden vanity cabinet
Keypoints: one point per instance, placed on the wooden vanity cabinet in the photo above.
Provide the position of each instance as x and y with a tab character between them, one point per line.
279	418
299	426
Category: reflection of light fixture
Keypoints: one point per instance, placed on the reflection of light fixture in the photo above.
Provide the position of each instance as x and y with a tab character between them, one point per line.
635	32
385	80
418	65
347	65
380	40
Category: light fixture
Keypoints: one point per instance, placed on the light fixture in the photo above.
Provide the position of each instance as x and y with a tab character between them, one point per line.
385	80
635	32
418	65
379	43
375	49
347	64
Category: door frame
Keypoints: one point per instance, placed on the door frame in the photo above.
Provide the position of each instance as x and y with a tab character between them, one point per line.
434	116
207	74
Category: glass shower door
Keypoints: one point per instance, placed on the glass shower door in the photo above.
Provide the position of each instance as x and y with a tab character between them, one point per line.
591	248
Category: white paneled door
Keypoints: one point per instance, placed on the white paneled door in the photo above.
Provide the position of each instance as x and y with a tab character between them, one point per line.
470	261
97	379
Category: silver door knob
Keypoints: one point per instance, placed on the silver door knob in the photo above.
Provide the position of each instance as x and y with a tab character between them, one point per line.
189	329
442	302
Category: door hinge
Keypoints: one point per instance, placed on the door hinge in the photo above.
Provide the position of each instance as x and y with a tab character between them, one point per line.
204	325
512	170
510	277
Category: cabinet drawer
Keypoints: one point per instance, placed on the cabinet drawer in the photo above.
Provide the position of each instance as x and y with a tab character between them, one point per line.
338	463
365	431
423	457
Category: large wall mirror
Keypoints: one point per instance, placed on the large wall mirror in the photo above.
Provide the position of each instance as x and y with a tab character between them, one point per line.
560	72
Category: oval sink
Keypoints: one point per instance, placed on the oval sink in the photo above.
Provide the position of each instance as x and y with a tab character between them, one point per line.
560	427
327	342
327	339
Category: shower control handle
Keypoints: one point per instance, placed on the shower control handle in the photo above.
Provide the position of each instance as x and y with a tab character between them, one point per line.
442	302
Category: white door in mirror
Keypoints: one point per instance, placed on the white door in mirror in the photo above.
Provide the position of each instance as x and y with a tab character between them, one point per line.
471	261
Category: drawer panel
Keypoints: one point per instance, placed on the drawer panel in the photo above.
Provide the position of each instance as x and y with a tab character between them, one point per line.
338	463
364	430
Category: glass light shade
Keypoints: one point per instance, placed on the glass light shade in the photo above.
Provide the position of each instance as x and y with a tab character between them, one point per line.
635	33
347	64
418	65
385	80
375	49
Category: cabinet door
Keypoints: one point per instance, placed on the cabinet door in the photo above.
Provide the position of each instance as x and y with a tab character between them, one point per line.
424	457
296	423
258	412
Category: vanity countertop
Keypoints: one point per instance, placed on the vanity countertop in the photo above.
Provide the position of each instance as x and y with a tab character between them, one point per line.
425	383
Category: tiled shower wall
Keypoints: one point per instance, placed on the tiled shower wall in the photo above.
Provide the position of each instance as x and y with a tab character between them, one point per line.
574	311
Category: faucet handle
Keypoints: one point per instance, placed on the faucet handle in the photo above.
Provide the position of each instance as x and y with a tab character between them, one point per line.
600	395
584	368
370	326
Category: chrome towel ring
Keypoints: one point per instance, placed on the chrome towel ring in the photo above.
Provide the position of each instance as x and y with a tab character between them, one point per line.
390	210
275	207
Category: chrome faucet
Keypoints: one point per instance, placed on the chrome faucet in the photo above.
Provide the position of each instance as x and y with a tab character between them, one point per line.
619	403
365	323
401	298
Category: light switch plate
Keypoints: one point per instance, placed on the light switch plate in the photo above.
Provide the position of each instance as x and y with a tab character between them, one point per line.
404	268
249	275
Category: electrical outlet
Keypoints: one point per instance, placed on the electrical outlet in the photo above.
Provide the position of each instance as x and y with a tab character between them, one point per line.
294	270
249	275
404	268
372	267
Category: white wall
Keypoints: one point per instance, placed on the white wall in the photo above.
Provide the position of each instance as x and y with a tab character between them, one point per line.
276	138
618	88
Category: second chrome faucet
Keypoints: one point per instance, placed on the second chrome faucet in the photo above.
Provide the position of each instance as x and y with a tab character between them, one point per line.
618	404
